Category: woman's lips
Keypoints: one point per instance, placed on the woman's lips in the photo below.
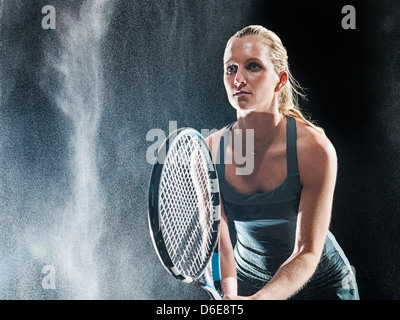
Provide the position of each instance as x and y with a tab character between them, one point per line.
240	93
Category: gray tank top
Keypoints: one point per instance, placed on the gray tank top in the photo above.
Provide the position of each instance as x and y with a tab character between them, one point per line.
265	222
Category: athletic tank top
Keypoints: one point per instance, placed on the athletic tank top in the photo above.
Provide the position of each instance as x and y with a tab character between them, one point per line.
265	222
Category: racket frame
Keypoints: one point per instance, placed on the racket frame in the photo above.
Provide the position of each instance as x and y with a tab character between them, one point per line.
214	289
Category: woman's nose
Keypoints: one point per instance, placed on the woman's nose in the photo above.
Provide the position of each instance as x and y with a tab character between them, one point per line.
239	81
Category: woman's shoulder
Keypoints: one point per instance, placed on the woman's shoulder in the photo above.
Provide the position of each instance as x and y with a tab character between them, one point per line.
314	149
312	139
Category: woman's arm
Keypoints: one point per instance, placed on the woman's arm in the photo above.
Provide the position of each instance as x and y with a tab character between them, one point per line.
228	265
317	167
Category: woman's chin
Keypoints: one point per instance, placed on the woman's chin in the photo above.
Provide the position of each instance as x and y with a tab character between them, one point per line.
245	108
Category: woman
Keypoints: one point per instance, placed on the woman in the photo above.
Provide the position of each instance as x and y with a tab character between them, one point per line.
282	208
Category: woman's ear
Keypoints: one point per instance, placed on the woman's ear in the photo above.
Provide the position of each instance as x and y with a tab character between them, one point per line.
283	78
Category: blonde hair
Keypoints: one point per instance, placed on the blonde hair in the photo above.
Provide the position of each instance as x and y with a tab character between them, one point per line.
288	98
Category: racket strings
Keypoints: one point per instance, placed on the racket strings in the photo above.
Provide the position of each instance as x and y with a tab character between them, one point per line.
186	207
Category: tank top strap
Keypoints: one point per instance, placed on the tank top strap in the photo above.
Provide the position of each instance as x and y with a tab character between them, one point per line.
291	146
221	151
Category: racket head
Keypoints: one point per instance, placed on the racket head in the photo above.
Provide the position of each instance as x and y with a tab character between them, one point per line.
184	208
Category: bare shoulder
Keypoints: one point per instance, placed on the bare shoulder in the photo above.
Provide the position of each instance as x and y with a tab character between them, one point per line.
315	152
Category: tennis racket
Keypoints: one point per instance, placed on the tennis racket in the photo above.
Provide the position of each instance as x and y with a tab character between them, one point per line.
184	211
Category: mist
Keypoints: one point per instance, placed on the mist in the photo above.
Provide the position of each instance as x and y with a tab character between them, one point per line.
76	104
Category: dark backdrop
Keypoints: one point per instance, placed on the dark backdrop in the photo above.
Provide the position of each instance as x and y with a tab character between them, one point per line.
77	103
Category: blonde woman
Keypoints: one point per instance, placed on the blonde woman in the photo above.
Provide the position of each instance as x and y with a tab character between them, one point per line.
282	208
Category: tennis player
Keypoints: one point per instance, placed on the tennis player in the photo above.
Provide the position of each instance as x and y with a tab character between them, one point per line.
282	209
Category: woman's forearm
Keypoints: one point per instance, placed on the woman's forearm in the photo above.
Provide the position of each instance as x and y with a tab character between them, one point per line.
229	285
228	271
289	278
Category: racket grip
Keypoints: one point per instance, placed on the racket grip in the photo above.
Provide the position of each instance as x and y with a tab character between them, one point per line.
216	268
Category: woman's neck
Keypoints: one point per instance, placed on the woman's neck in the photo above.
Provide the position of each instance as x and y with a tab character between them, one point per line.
265	128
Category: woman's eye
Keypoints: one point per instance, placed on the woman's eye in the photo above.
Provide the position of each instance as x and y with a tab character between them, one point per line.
254	66
230	69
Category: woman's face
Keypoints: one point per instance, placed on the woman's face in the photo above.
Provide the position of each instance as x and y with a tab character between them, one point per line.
250	80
